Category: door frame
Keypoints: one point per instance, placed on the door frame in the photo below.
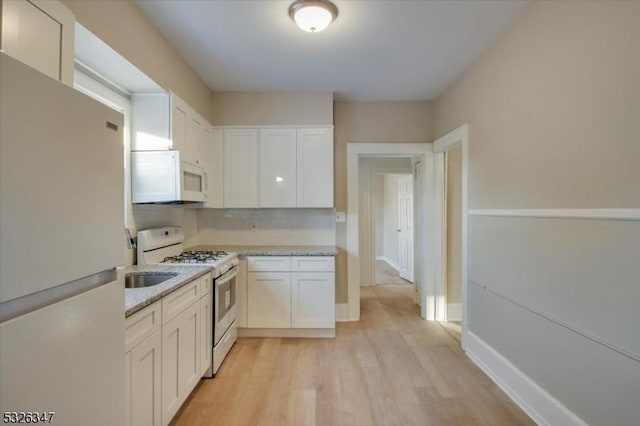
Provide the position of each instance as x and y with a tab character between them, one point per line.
426	281
459	136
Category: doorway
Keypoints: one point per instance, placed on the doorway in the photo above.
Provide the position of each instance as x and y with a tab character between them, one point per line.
391	215
421	157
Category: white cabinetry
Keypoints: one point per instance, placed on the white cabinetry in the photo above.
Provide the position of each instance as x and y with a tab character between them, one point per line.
180	359
277	168
240	168
162	121
206	324
143	343
40	34
213	154
291	292
315	167
269	297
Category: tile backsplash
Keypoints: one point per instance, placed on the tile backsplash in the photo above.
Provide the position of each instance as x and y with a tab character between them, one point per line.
266	227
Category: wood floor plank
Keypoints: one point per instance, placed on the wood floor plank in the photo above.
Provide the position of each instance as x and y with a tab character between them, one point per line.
390	368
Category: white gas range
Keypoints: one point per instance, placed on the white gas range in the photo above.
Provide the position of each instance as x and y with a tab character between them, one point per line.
163	246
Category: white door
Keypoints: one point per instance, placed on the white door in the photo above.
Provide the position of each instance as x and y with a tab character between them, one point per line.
405	227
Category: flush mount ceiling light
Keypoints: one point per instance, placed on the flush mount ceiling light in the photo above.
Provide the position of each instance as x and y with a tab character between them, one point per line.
313	16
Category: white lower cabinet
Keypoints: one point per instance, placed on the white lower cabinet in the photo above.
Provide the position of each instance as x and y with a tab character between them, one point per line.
269	297
146	382
143	343
312	300
291	292
206	333
180	359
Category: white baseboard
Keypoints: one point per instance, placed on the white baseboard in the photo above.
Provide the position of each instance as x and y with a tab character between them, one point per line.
379	257
543	408
454	311
342	312
391	263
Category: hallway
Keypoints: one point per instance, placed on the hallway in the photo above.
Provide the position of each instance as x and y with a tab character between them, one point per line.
390	368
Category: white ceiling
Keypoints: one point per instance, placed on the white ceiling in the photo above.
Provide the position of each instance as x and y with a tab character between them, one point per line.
375	50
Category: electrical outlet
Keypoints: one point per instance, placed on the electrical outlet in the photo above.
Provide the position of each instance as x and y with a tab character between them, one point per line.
341	217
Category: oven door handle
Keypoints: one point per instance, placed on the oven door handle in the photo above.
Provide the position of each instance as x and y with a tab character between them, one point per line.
227	276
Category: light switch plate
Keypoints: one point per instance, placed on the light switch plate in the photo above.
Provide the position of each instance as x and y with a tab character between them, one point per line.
341	217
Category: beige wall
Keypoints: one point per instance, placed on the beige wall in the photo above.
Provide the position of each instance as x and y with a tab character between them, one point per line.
553	113
454	225
122	26
274	108
370	122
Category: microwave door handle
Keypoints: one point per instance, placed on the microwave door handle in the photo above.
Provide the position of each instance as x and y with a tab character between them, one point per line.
205	175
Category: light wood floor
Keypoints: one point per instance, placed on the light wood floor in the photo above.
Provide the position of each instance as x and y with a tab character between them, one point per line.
390	368
386	274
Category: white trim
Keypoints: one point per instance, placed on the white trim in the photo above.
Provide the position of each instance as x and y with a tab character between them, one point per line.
457	136
272	126
381	258
454	311
543	408
604	214
354	152
342	312
390	262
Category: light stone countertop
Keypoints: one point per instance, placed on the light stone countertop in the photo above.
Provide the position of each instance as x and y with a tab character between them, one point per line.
136	299
273	250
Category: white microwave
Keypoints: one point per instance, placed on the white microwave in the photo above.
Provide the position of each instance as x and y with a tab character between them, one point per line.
160	177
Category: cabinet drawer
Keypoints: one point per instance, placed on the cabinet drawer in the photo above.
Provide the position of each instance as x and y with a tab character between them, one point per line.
269	263
179	300
313	264
205	285
140	325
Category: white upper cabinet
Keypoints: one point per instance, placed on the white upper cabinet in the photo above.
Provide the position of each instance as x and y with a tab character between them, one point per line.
240	168
40	34
277	167
213	155
162	121
315	167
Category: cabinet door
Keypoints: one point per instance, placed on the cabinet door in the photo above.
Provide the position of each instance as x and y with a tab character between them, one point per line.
315	167
206	333
269	297
146	376
127	391
179	124
195	136
213	156
240	168
180	360
313	300
40	34
277	167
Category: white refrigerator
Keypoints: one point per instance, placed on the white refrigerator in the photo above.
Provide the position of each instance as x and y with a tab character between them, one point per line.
61	239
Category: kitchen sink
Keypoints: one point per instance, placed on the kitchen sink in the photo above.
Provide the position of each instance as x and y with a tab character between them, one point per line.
147	279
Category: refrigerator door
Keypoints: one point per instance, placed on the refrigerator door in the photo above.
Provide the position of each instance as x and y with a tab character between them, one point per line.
68	358
62	174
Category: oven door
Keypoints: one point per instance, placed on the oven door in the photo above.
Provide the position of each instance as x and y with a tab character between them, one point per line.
224	302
